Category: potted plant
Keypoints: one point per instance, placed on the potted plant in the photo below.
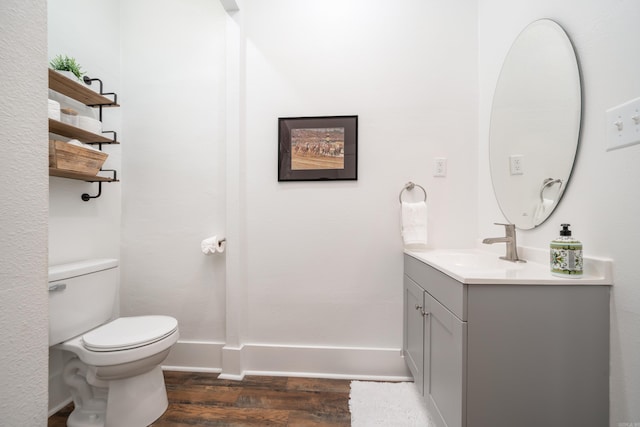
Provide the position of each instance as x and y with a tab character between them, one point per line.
67	66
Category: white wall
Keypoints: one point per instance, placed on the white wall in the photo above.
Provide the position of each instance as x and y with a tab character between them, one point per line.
173	170
79	229
23	213
601	201
89	32
324	259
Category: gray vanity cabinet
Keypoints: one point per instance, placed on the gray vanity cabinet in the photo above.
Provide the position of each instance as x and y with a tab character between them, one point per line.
501	355
414	331
434	344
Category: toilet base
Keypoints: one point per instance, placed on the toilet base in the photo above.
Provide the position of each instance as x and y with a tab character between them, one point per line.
130	402
81	418
137	401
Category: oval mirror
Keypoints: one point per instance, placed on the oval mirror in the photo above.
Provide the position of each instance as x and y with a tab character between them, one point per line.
535	124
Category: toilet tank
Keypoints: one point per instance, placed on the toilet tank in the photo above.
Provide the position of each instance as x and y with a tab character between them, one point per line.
82	296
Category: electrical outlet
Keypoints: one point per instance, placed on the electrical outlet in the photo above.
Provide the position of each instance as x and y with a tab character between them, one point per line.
516	164
440	166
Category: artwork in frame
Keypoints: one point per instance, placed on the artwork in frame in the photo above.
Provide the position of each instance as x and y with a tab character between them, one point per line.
318	148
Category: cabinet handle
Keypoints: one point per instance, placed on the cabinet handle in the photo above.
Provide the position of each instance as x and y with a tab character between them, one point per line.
422	312
57	287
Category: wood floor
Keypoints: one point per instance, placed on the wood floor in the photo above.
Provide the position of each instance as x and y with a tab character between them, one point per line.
200	399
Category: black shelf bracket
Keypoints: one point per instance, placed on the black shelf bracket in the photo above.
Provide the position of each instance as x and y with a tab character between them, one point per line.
88	80
115	136
86	196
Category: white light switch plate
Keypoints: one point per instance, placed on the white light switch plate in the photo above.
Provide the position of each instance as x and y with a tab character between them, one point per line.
623	125
440	166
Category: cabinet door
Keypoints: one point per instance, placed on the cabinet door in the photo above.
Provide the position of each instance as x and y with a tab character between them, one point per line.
445	364
413	345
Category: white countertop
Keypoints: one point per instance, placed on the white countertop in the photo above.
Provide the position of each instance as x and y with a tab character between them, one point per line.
474	266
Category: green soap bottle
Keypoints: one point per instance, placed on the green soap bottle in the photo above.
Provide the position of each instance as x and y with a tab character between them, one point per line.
566	255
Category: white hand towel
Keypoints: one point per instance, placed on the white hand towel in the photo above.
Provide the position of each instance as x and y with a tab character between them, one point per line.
542	209
414	223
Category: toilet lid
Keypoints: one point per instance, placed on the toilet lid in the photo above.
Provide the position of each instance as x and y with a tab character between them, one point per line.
129	332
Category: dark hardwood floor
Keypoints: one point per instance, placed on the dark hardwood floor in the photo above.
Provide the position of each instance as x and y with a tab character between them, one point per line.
200	399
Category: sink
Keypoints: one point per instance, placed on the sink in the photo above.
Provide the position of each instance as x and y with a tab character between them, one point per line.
473	260
482	267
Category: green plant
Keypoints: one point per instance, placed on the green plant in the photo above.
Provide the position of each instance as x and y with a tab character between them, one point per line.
65	63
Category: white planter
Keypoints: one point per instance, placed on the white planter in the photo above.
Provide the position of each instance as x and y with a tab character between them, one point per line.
68	74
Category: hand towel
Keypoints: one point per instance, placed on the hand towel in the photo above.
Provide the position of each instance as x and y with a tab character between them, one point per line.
542	209
414	223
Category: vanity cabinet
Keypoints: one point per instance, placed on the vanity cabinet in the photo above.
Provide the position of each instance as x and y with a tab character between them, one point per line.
502	355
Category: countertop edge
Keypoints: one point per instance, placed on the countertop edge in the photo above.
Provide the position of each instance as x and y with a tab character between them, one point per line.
598	271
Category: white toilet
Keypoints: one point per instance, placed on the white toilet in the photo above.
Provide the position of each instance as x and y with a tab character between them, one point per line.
114	376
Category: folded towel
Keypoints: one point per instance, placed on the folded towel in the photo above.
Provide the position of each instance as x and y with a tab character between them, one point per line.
414	223
54	110
542	209
82	144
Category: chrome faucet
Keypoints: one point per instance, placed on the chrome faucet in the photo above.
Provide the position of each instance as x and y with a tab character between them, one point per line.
510	240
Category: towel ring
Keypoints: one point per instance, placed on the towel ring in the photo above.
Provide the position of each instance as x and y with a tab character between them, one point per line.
410	186
548	183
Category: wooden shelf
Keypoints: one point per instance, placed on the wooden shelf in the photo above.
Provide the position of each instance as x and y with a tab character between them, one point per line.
78	91
84	94
64	129
61	173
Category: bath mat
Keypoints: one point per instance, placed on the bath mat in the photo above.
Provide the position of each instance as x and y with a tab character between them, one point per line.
387	404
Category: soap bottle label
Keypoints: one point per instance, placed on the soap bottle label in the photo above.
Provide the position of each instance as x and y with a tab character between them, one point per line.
566	258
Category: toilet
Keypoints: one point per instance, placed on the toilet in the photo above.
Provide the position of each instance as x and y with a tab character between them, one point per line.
113	370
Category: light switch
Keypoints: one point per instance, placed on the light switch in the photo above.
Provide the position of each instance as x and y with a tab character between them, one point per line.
623	125
440	166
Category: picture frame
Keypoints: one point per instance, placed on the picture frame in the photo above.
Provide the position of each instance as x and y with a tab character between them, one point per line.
318	148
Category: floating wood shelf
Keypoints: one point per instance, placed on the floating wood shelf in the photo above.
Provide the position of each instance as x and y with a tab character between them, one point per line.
61	173
78	91
64	129
82	93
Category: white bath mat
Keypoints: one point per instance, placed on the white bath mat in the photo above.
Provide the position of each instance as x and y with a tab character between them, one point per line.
387	404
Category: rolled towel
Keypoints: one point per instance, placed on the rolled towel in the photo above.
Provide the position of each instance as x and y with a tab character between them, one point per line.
414	223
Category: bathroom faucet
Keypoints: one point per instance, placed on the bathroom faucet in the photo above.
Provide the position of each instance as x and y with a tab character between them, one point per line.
510	240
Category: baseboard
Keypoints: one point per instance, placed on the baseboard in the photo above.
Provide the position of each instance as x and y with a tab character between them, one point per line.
54	409
195	356
356	363
325	362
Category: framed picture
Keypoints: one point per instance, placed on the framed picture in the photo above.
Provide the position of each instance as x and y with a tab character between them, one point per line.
318	148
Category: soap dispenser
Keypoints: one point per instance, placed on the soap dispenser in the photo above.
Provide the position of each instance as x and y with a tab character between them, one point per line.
566	255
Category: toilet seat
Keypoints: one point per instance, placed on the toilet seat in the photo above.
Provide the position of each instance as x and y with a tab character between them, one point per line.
110	357
127	333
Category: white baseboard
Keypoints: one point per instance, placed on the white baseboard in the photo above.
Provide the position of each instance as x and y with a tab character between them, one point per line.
282	360
58	406
195	356
326	362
